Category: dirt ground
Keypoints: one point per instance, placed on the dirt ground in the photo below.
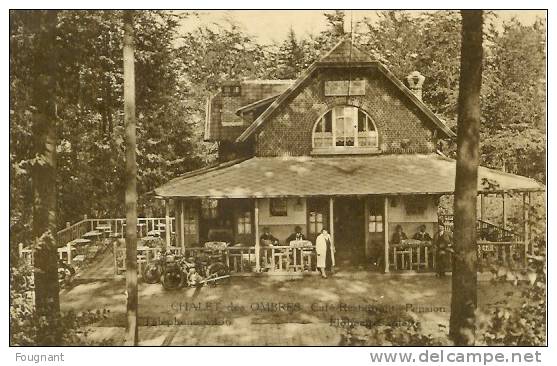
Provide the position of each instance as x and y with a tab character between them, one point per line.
273	310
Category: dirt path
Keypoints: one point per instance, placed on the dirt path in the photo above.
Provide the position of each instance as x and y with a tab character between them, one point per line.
273	310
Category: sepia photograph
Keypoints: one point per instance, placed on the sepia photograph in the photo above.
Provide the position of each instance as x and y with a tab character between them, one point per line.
277	178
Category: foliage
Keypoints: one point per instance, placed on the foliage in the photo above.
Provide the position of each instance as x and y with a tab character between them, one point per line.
522	324
177	70
29	329
514	103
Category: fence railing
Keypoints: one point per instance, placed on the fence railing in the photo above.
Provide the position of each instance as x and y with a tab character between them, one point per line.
72	232
113	227
239	259
116	227
423	257
486	231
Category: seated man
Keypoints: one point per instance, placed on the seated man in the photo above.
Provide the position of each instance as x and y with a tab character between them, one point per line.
422	235
267	239
296	235
398	235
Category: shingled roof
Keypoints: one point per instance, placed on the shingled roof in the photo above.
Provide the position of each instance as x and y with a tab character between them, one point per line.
344	54
334	176
223	108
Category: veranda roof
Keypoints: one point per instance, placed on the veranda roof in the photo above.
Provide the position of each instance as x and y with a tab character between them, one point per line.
335	176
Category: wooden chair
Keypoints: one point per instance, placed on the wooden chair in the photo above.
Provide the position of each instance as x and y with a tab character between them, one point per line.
404	254
420	258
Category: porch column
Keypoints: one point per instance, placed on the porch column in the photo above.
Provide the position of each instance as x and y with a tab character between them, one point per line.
482	206
181	229
256	231
386	231
504	211
366	225
167	225
177	221
525	218
332	219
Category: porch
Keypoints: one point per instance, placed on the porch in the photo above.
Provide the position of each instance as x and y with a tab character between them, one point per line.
360	199
362	233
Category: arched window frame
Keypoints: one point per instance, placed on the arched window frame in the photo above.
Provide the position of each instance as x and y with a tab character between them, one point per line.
338	119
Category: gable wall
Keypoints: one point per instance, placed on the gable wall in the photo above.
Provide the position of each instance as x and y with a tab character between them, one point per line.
402	127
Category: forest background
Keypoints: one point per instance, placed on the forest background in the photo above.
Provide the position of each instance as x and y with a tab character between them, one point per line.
178	67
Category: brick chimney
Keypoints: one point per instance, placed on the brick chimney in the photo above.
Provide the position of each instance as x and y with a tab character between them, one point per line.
415	81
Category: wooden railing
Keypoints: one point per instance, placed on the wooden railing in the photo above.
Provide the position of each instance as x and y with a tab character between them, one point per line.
239	259
510	254
72	232
423	257
144	225
117	227
288	259
486	231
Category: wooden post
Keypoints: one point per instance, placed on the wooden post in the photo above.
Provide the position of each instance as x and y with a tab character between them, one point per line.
182	231
167	225
504	212
178	222
257	243
69	249
525	218
482	207
386	232
332	221
366	225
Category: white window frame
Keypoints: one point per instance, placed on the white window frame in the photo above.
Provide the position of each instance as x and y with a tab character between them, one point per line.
334	117
243	223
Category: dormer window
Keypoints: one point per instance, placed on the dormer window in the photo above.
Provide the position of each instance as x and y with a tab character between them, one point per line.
344	129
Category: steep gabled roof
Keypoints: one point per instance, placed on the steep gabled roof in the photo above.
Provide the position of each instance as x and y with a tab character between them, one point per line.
344	54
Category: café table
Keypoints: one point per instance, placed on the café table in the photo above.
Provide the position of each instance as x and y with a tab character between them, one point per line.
94	235
104	228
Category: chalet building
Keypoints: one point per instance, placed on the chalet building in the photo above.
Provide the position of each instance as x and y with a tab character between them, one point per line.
347	146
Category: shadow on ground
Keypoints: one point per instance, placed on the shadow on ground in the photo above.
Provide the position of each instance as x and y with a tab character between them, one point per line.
271	310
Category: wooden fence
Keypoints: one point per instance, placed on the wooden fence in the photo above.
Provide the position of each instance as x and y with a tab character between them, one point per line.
114	227
239	259
423	257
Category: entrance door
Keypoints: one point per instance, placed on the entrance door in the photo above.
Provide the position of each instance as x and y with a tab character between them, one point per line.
318	217
349	231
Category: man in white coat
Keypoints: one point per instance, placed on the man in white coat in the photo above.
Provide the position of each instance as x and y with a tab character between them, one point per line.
325	253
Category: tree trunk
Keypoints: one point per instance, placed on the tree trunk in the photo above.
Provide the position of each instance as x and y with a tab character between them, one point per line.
464	296
131	174
47	299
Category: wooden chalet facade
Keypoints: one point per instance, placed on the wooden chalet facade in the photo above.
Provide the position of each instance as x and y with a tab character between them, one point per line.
346	146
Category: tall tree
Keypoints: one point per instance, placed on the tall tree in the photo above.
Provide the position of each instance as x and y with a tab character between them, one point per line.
131	184
464	278
291	57
44	170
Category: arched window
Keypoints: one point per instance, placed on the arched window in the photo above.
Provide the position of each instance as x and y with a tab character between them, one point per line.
343	128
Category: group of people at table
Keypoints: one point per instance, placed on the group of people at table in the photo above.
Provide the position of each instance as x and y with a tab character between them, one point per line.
442	243
324	247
